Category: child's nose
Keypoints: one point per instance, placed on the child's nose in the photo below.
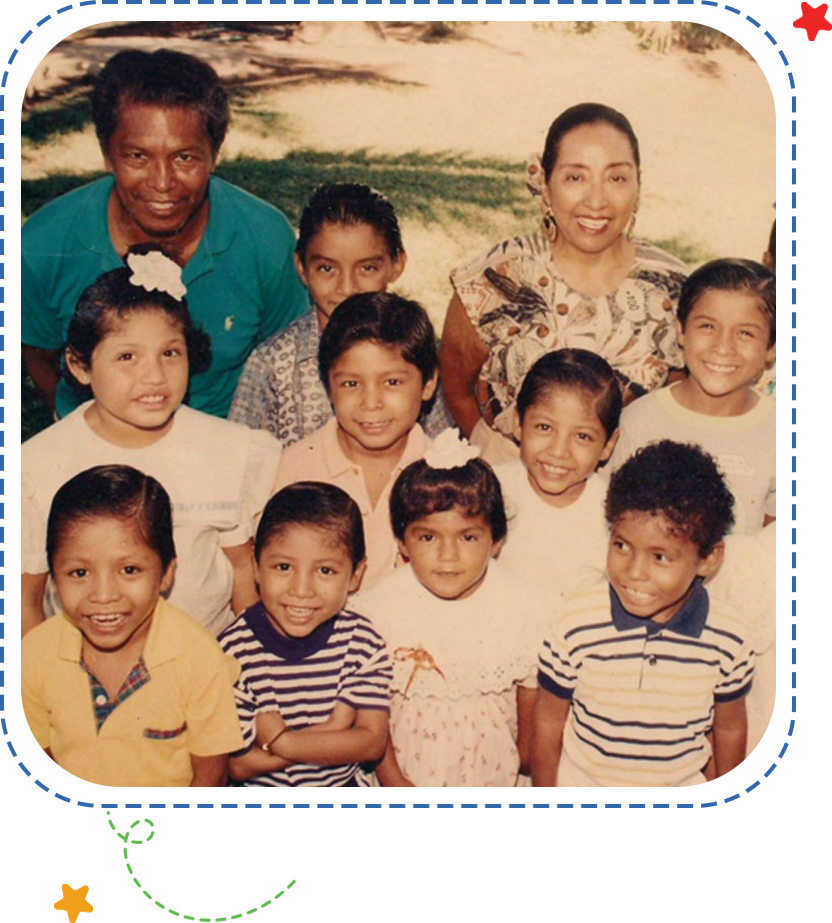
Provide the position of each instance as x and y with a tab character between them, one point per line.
448	549
636	568
302	583
153	370
346	285
371	396
104	588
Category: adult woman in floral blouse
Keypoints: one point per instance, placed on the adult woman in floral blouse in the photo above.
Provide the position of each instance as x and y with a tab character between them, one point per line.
581	280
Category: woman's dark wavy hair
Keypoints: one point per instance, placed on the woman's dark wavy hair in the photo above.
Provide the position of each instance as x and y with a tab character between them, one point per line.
159	78
113	492
732	275
319	506
111	298
680	482
472	489
574	370
349	204
382	318
584	114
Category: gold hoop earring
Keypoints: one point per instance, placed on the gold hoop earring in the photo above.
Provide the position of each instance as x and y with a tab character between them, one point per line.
550	228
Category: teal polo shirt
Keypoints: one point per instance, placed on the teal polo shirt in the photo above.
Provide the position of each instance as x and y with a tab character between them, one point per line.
242	284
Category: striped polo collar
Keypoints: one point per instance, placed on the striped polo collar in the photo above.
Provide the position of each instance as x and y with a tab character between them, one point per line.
689	620
283	646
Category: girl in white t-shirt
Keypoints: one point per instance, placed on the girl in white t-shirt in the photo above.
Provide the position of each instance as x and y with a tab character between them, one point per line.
460	629
132	347
566	421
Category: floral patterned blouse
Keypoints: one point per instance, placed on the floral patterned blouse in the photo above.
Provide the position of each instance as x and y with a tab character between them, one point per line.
522	308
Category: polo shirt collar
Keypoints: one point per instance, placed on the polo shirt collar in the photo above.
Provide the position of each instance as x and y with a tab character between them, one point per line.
337	462
689	620
160	645
273	642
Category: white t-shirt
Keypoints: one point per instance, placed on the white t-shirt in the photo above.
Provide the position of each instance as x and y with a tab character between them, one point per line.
743	446
218	475
559	548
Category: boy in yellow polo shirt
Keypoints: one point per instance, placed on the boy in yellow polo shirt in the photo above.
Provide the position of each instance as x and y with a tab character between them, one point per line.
123	688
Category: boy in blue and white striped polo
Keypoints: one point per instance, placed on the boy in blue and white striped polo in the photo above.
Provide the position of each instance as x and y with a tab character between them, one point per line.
643	678
312	697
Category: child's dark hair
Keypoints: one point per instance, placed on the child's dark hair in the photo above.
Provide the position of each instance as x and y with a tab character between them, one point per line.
349	204
574	370
111	298
772	247
159	78
732	275
472	489
680	482
384	319
113	492
575	117
319	506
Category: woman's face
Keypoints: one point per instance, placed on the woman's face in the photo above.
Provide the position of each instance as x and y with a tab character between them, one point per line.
161	159
593	187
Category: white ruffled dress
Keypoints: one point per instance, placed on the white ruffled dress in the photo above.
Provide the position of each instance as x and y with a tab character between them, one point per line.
456	666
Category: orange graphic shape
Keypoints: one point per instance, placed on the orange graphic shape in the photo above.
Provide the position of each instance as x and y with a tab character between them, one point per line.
101	904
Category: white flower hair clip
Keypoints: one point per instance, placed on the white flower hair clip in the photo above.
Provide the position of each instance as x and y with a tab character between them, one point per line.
450	450
156	272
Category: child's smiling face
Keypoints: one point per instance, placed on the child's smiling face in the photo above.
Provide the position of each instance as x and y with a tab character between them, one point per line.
449	552
652	566
377	396
138	375
305	577
343	260
726	346
562	441
109	580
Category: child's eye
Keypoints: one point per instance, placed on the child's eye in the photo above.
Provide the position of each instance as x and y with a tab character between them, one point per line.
78	572
542	427
131	570
426	537
705	325
394	382
282	567
349	383
585	437
661	557
470	537
172	353
618	544
324	268
126	357
748	333
328	571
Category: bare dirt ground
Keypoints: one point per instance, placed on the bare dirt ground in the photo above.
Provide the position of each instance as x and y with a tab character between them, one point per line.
705	121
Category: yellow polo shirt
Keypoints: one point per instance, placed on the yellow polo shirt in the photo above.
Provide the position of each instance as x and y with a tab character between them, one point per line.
186	707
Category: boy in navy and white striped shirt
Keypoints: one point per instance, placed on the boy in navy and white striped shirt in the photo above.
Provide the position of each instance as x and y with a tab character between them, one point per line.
643	678
312	697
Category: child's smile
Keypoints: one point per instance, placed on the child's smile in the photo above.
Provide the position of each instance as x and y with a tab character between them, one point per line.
726	347
652	567
139	375
304	579
449	552
562	441
108	580
377	396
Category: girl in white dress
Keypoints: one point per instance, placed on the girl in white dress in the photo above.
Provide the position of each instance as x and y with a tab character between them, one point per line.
132	349
461	630
566	421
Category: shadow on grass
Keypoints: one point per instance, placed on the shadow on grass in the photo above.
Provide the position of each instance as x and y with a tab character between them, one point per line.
427	187
42	124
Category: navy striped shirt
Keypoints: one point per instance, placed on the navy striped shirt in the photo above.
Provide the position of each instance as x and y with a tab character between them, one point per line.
343	660
642	693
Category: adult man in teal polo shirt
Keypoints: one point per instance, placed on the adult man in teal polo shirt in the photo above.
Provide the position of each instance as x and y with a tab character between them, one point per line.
160	120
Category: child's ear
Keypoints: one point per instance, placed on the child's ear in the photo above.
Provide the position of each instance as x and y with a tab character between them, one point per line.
357	575
403	551
430	386
609	447
771	355
78	369
518	426
167	577
680	333
301	270
711	563
496	548
399	264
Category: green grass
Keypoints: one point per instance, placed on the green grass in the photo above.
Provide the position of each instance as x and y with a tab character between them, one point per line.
43	124
689	254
